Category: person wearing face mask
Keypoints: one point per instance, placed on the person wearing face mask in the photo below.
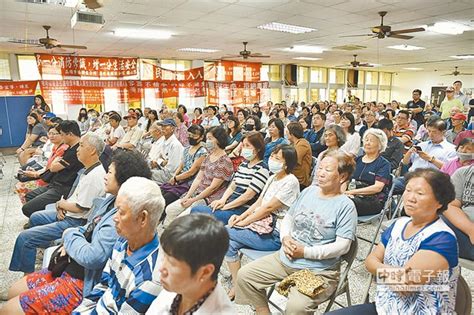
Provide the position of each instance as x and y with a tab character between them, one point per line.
193	156
246	185
94	121
210	183
315	232
258	227
252	124
464	157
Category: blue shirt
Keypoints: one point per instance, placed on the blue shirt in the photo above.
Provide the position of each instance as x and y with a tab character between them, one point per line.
270	146
318	221
93	255
437	237
442	151
128	284
314	139
377	170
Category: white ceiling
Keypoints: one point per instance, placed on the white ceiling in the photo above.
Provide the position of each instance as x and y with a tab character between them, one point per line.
224	24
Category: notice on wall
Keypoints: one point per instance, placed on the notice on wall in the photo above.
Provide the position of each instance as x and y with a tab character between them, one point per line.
81	66
18	88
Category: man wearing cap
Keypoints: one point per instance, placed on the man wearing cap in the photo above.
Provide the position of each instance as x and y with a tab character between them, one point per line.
167	157
132	136
449	103
457	123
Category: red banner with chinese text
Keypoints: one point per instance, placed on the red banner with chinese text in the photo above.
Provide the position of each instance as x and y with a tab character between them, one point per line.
77	66
18	88
233	71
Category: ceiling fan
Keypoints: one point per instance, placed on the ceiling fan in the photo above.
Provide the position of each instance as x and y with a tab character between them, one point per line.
47	42
245	54
381	31
456	72
355	64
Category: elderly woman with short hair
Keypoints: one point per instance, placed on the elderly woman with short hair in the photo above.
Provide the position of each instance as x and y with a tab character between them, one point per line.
372	175
421	248
316	231
333	138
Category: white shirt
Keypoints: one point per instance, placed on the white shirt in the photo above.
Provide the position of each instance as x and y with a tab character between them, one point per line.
352	144
170	150
118	133
216	303
89	187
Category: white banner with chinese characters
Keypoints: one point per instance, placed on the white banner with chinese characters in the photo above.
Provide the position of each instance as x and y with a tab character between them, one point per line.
82	66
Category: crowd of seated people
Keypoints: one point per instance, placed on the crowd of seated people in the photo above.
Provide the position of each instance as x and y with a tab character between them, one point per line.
147	229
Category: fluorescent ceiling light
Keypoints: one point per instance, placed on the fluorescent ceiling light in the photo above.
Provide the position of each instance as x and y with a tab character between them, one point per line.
465	56
449	28
305	49
286	28
140	33
307	58
405	47
198	50
413	69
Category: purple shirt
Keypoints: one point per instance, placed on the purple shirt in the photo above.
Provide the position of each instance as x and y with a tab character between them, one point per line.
452	165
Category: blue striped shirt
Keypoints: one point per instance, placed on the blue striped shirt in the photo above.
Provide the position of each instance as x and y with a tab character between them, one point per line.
129	284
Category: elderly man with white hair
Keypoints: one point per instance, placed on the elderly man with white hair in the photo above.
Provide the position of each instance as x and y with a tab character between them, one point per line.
49	224
129	282
370	182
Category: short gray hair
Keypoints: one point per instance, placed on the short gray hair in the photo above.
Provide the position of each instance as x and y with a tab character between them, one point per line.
95	141
144	194
380	135
338	131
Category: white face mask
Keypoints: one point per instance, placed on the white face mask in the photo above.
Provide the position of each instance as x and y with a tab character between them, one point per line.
465	156
210	145
275	166
247	153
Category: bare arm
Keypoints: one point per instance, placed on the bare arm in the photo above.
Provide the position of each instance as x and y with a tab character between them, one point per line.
262	211
459	219
193	170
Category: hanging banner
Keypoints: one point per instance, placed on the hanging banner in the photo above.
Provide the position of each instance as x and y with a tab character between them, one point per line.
171	89
18	88
78	66
195	74
233	71
234	93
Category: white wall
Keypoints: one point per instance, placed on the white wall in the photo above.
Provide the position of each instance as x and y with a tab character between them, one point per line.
404	83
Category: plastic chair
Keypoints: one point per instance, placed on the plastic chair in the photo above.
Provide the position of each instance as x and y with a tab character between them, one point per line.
463	297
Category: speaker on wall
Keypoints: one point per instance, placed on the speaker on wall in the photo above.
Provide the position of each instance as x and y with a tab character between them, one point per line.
352	78
291	74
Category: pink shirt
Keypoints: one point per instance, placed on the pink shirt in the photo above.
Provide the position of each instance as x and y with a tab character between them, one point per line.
452	165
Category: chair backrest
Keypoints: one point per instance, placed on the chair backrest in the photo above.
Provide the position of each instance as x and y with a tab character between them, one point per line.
343	284
463	297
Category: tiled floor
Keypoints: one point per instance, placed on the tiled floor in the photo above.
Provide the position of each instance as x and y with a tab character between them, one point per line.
12	220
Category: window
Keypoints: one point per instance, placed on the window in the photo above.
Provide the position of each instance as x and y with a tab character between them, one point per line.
303	74
318	75
111	100
385	78
274	74
264	72
384	96
28	68
303	95
276	95
372	78
336	76
370	95
4	67
318	95
57	102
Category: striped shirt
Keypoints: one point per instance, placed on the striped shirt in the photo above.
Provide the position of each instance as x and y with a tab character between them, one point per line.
254	177
128	284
